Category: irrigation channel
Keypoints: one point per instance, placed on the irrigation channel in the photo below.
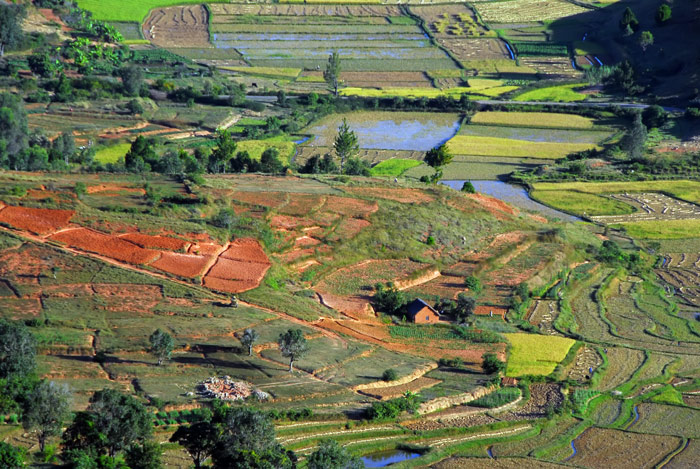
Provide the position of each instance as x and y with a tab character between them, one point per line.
514	195
388	457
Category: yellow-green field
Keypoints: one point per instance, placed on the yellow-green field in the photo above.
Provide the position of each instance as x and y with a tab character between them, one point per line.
666	229
113	153
266	71
563	93
255	148
682	189
127	10
579	203
493	146
394	167
533	119
535	354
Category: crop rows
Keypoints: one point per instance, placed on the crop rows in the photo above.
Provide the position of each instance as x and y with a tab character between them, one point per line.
540	49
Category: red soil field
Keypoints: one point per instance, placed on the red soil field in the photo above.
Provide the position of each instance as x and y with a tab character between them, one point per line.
296	254
204	249
35	220
302	204
246	249
350	207
230	286
106	245
155	242
228	269
182	265
288	222
405	196
495	206
486	311
113	188
129	297
305	241
266	199
349	228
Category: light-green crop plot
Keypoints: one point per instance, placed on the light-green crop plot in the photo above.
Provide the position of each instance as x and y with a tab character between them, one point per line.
533	119
681	189
563	93
535	354
666	229
393	167
266	71
493	146
127	10
255	148
579	203
113	153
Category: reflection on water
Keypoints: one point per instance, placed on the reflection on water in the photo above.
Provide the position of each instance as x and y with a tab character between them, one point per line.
514	195
385	458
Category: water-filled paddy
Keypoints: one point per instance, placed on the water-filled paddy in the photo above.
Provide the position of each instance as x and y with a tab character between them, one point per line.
389	130
388	457
535	134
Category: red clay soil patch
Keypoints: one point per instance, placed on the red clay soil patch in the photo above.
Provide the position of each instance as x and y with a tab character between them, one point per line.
65	291
36	220
348	228
302	204
296	254
493	205
109	246
205	249
353	306
182	265
306	241
53	17
265	199
129	297
230	286
287	222
246	249
405	196
488	310
350	207
155	242
114	188
229	269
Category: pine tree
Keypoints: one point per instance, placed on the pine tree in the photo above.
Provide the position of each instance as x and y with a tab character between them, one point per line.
332	72
345	145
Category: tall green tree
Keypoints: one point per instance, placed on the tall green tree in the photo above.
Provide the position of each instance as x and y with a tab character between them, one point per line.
223	152
162	345
438	158
46	410
332	72
199	440
292	344
13	130
111	423
132	79
634	140
646	39
330	455
11	17
17	350
629	19
346	145
146	455
663	13
270	161
248	339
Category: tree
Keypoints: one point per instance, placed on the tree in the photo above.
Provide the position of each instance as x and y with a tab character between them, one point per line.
332	72
199	440
13	129
345	145
249	337
330	455
629	19
437	158
17	350
46	410
464	307
162	345
468	187
10	457
139	156
147	455
225	218
11	17
635	138
646	39
356	167
270	162
132	79
292	344
473	284
390	375
223	152
388	298
112	422
491	363
654	116
663	13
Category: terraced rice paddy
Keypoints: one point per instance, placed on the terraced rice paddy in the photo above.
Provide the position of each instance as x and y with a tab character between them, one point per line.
510	147
523	11
533	354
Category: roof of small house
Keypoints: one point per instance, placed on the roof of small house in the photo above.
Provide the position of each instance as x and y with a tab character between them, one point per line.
415	306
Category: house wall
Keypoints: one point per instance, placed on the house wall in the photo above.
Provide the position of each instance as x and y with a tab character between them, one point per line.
426	316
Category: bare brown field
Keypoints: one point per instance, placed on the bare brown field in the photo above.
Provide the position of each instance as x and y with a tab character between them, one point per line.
185	26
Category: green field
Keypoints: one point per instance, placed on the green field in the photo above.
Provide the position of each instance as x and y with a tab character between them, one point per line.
563	93
394	167
579	203
127	10
533	119
113	153
534	354
255	148
666	229
494	146
266	71
681	189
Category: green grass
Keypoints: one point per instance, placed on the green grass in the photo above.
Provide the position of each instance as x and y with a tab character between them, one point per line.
255	148
127	10
563	93
498	398
394	167
681	189
533	119
284	72
534	354
669	396
493	146
113	153
579	203
666	229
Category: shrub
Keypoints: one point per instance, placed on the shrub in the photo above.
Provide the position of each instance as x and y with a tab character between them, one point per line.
491	363
473	284
390	375
468	187
392	408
